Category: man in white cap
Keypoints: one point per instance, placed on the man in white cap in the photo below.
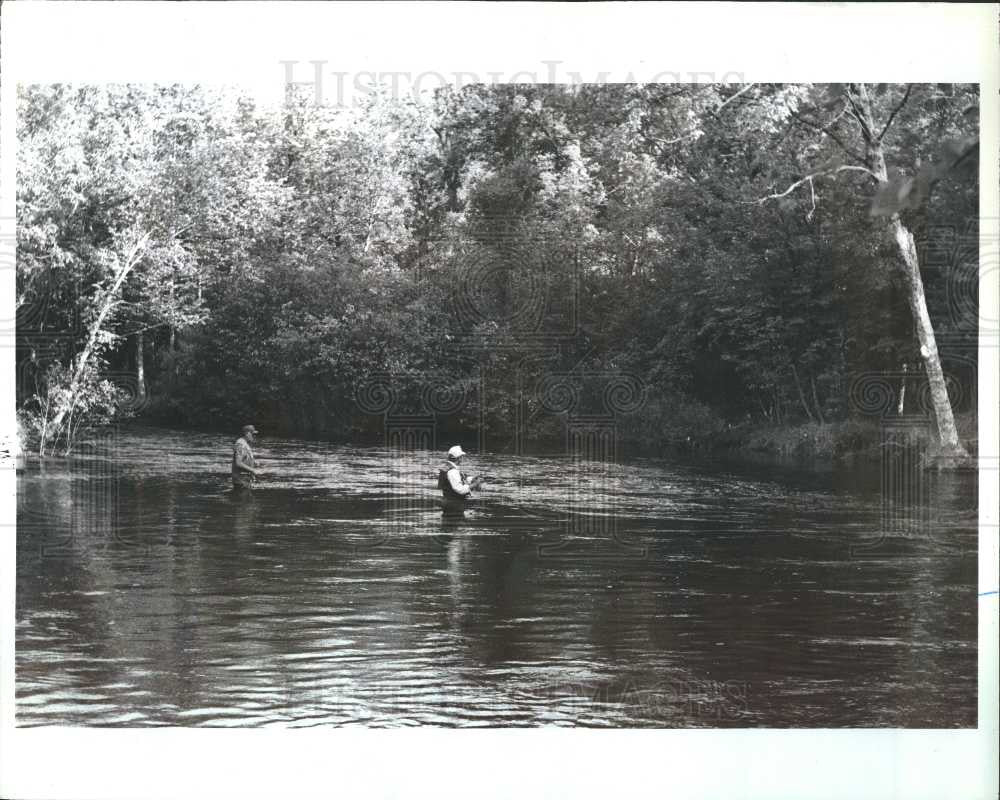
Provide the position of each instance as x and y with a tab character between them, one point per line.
454	486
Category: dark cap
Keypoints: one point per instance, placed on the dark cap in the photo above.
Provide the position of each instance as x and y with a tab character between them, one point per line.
250	429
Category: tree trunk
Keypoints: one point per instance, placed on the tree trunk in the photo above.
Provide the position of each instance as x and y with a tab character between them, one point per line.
140	366
107	303
902	393
951	448
802	396
172	362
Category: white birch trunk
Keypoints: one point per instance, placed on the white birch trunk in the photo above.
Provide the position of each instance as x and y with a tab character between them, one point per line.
140	366
951	447
52	429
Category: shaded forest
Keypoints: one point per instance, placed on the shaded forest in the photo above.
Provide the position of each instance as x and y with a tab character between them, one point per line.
747	258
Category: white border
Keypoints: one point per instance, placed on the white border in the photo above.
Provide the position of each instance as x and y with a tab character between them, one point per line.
243	44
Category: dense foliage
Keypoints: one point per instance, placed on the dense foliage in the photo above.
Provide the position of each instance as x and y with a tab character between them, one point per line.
227	262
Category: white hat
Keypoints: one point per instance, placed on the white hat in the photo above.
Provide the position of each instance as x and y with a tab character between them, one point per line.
455	452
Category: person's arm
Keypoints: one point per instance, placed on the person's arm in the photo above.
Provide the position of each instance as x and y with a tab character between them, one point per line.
455	481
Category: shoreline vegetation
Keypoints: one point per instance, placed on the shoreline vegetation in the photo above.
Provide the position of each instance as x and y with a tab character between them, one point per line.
854	440
766	269
847	443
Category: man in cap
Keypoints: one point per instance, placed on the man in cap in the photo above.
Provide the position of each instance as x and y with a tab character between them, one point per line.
245	469
455	487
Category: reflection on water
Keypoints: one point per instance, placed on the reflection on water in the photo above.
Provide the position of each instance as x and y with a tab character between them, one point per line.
339	594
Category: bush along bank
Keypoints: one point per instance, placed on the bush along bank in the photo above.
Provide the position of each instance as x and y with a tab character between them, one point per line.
847	441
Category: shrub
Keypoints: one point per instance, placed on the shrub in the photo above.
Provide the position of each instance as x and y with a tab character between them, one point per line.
67	404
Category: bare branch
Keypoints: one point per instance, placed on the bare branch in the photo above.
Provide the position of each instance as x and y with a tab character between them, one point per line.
665	142
140	330
732	97
825	130
809	179
852	112
895	111
858	112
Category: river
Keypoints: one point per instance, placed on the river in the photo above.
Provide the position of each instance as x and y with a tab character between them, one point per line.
650	593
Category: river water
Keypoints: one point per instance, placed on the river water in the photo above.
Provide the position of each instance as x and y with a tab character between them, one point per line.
652	593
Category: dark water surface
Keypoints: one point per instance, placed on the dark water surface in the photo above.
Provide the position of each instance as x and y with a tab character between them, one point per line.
646	594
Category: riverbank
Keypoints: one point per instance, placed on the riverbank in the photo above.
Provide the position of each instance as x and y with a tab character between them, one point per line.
846	441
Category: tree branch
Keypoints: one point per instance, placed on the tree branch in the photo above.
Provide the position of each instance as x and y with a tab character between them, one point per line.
139	330
969	150
732	97
895	111
858	113
809	179
665	142
825	129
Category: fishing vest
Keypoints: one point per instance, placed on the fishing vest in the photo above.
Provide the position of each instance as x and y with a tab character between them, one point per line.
444	484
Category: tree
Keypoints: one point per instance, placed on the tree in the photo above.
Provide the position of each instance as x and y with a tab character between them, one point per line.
855	103
120	185
289	254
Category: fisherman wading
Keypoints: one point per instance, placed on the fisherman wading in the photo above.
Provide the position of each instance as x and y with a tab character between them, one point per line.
245	469
456	489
